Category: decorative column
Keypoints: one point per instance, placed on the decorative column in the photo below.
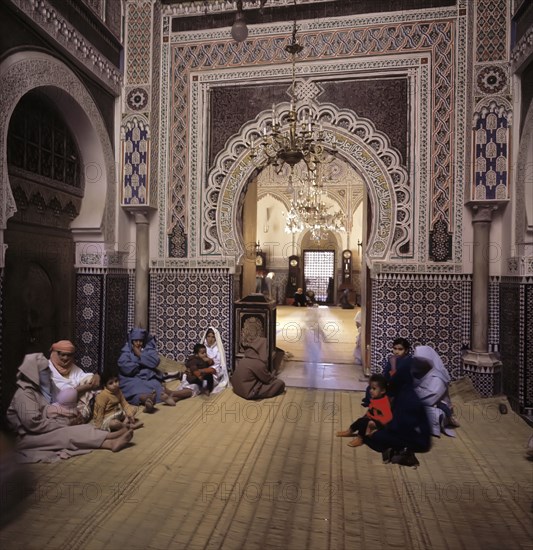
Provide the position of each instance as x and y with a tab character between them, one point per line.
480	364
142	275
140	134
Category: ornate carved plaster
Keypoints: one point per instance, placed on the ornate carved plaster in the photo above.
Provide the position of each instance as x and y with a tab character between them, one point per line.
25	71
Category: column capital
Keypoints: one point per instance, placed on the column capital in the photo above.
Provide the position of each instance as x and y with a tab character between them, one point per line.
484	210
483	360
141	214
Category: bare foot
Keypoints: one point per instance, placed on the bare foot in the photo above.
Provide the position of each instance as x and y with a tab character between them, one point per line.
117	434
167	400
115	425
357	442
178	395
345	433
136	425
120	442
149	406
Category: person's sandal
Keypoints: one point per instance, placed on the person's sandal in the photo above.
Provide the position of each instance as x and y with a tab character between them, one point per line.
357	442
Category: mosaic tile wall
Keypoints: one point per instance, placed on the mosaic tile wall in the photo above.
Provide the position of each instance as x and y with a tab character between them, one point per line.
101	318
116	317
427	310
183	303
528	351
516	322
510	295
131	300
89	315
494	314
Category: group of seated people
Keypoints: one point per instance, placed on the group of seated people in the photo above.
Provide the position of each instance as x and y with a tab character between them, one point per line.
407	404
303	299
59	410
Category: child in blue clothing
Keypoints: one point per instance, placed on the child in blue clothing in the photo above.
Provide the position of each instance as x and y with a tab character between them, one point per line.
400	351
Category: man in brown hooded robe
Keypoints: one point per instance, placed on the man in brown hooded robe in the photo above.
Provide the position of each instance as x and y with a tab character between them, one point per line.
43	439
252	379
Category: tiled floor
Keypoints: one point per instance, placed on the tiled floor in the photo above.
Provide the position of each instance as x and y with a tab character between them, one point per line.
319	344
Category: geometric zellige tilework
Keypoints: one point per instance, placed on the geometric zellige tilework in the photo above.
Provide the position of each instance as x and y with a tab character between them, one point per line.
511	354
131	301
89	321
116	317
491	25
528	346
424	309
486	384
183	303
494	315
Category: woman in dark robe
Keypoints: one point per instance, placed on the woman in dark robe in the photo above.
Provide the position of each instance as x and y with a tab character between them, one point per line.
408	432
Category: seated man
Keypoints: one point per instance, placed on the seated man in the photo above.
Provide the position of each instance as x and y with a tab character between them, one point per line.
300	299
345	300
252	379
311	300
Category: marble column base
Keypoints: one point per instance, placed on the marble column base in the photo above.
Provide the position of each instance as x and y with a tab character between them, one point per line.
484	369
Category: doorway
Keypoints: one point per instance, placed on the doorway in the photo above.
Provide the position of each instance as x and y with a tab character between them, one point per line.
319	274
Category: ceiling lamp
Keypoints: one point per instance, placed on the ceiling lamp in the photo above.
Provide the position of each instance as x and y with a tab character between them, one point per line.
239	30
309	211
293	136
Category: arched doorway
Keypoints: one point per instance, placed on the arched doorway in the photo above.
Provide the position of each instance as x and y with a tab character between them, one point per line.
361	146
56	188
45	178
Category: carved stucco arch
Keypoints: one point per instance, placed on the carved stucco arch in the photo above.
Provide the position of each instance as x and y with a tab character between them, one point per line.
30	70
365	149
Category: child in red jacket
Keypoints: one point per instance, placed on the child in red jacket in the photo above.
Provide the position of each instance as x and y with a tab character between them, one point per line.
379	413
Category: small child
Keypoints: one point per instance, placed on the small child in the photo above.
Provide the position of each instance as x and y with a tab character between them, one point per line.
379	413
200	369
400	350
65	407
111	410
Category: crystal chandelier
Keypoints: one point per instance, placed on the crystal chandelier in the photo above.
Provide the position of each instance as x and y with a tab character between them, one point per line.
294	136
309	211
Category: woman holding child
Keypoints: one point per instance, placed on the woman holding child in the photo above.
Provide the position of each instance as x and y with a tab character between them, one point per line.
206	368
215	351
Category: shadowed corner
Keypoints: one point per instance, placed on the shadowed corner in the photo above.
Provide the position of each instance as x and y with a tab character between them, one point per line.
16	481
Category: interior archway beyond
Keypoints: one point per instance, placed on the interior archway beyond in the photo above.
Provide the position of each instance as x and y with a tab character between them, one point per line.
343	191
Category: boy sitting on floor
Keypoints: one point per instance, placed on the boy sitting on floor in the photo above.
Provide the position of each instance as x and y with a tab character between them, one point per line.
379	413
111	410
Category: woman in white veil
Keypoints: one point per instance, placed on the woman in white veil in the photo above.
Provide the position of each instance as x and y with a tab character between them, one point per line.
215	350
